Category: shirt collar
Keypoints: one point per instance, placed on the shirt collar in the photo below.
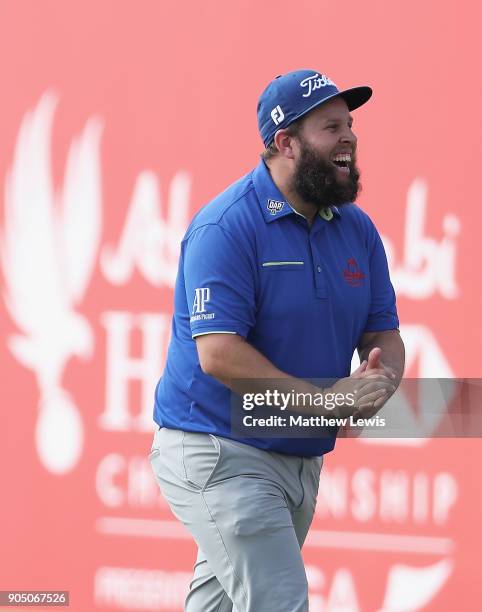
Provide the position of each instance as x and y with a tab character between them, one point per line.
273	203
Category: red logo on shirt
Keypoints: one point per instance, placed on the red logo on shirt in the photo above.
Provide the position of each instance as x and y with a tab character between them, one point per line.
352	273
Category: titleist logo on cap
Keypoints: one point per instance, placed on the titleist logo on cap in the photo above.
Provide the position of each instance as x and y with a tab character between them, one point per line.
314	82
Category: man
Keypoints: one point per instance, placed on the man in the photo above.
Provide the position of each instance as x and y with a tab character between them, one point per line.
281	277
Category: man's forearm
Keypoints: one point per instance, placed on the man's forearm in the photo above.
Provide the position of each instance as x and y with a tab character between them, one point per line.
242	368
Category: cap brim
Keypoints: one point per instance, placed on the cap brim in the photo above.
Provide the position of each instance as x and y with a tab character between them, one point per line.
355	96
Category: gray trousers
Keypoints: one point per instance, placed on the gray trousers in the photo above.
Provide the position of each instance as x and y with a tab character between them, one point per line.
249	512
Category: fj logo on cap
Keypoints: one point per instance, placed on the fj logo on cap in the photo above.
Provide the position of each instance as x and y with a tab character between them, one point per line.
314	82
277	115
275	207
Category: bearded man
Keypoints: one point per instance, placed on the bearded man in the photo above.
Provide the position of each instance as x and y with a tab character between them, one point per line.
281	278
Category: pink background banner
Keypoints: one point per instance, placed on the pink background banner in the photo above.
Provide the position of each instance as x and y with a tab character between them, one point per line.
118	121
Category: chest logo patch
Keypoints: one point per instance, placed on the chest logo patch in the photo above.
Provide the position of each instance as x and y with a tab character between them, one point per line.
275	207
352	273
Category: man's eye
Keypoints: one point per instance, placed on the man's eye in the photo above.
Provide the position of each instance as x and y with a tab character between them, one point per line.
332	126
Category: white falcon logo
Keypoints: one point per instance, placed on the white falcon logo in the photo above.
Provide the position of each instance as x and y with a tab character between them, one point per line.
412	588
48	251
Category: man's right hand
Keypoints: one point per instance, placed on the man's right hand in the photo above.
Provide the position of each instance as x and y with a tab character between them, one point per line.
370	386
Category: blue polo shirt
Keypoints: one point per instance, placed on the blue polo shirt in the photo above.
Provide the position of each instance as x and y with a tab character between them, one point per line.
303	297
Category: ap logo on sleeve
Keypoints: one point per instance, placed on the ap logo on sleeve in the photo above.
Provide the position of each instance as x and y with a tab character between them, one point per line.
201	297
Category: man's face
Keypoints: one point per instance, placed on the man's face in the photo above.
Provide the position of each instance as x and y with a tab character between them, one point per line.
325	172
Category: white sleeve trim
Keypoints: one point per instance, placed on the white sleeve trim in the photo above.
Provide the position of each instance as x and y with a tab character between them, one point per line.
213	332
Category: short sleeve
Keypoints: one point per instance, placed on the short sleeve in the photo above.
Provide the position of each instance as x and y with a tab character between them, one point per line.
383	311
219	282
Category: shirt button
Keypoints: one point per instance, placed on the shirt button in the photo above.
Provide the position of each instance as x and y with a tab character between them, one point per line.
318	269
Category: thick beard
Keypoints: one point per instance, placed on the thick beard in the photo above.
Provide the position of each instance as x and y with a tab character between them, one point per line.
316	182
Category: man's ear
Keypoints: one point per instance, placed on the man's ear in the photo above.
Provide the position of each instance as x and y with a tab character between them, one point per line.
285	141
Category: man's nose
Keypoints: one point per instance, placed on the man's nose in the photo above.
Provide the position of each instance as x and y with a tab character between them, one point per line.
349	136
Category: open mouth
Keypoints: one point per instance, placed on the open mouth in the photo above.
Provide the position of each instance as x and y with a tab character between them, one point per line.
342	161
